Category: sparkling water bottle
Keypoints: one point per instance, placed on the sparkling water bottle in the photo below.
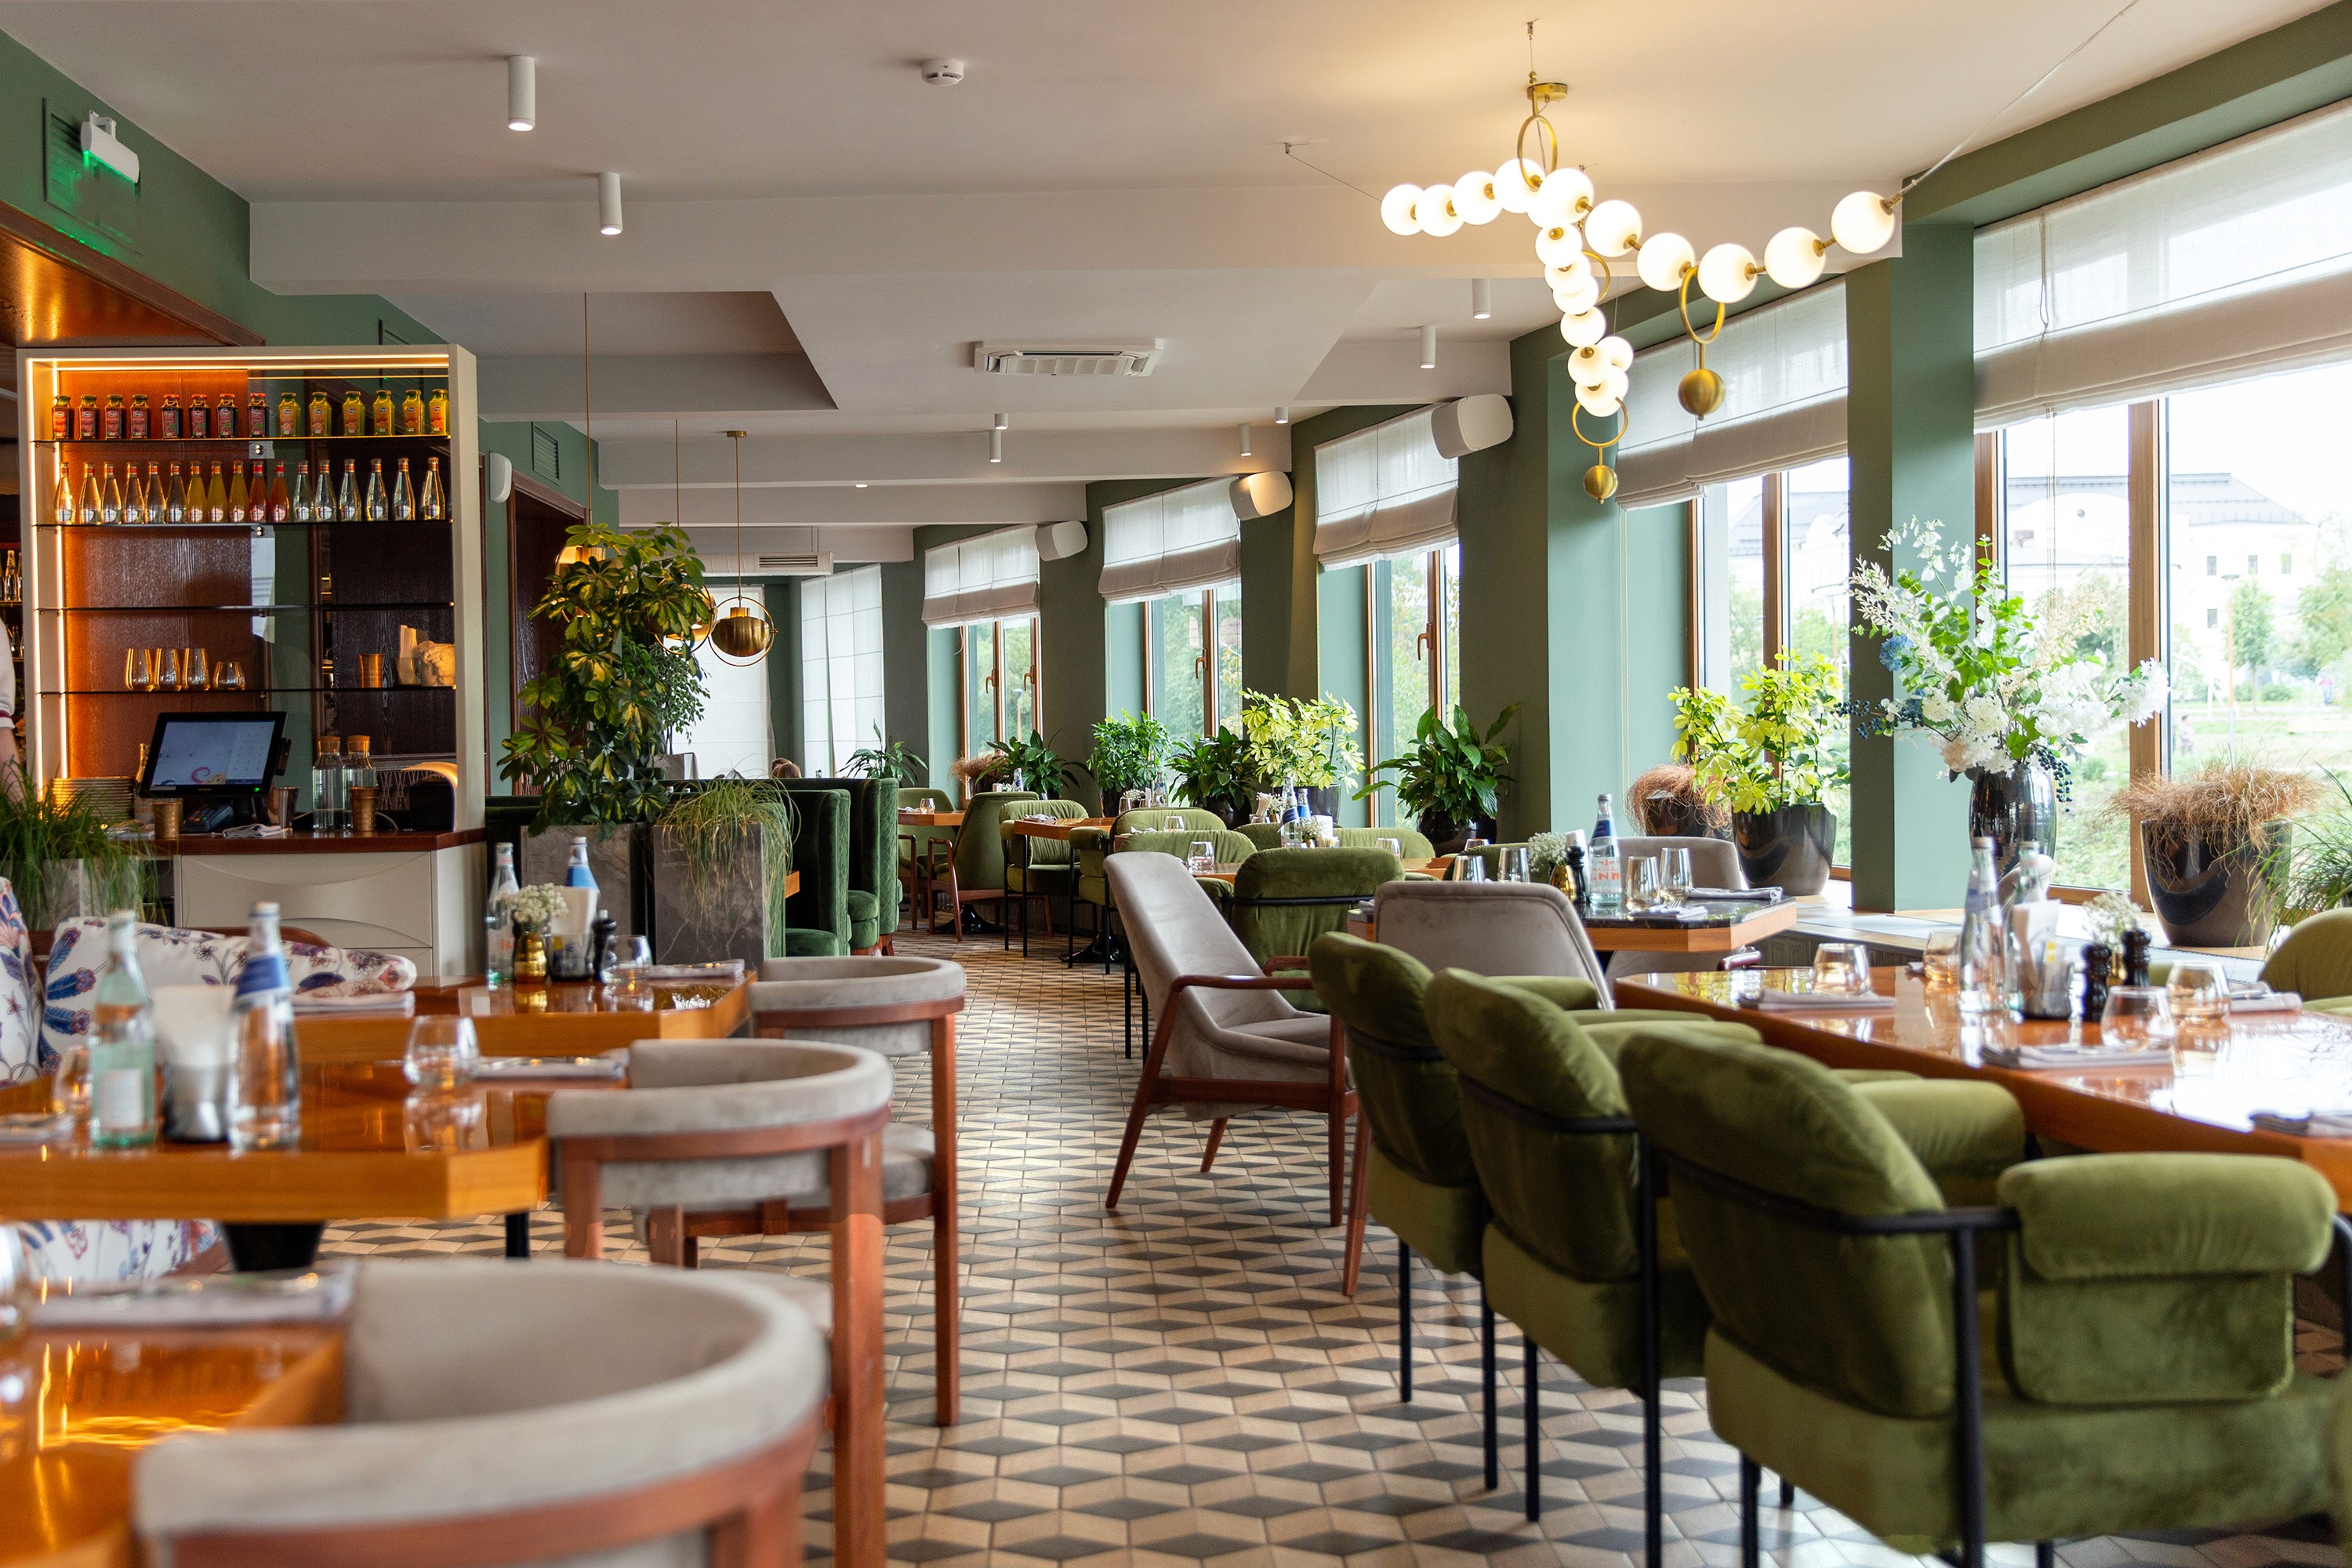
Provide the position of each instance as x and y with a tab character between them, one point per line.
265	1091
577	874
122	1044
1604	865
1984	970
497	920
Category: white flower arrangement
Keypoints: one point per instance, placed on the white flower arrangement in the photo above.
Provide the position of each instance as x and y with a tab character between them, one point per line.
2110	915
1996	684
538	906
1547	850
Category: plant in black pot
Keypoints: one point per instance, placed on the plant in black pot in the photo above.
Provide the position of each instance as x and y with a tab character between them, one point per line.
1771	763
1214	773
1451	776
1130	754
1030	764
1311	744
2217	842
885	759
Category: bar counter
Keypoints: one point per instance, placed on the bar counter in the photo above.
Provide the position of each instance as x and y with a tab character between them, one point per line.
413	894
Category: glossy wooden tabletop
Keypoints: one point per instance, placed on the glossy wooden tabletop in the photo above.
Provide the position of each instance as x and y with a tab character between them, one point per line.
77	1406
542	1020
2203	1099
1060	827
1753	925
909	817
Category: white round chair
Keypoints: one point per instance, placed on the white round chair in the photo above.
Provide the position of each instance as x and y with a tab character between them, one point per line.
503	1413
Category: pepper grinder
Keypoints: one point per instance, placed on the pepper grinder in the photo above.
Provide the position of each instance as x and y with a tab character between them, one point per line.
2136	945
2097	958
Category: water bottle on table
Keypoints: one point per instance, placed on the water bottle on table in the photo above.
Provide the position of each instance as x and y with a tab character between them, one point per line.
122	1044
265	1105
1605	864
497	920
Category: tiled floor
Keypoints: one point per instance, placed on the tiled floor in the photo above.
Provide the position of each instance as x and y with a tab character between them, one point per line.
1182	1381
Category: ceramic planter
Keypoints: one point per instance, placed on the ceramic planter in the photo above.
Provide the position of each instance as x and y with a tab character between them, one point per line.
1446	837
2012	807
2210	894
1674	816
1790	848
702	924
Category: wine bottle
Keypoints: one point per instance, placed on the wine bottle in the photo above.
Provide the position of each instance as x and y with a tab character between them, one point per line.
200	419
175	498
280	503
171	417
404	498
216	497
347	498
134	495
437	412
90	499
301	497
139	420
86	418
377	510
412	413
354	414
110	504
380	416
236	496
434	504
109	428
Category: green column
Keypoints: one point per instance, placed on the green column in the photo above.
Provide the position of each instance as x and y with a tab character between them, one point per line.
781	598
1911	437
905	659
1278	613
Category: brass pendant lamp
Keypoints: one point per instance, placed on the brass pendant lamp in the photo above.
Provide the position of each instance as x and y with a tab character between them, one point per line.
742	633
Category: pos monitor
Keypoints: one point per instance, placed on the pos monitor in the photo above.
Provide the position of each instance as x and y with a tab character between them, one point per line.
221	756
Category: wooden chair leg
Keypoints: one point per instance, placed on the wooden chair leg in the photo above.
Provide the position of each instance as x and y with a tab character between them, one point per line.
1335	1142
1143	1088
947	1275
1353	1268
666	1236
858	1452
583	1212
1216	1136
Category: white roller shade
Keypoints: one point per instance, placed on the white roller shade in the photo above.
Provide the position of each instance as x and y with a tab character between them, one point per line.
1183	538
982	578
1382	491
1784	374
841	666
2228	264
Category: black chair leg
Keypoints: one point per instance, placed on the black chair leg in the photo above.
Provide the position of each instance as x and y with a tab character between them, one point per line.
1486	1379
1535	1431
1404	1323
2045	1555
1751	1545
1788	1497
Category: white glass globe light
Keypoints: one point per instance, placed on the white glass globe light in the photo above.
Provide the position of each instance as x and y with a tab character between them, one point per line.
1515	184
1665	260
1474	197
1438	217
1616	383
1599	402
1794	258
1727	274
1559	246
1617	351
1574	299
1397	209
1588	328
1864	222
1565	197
1570	273
1588	366
1614	227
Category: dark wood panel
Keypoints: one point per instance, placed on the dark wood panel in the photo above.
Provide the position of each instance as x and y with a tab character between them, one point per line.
538	520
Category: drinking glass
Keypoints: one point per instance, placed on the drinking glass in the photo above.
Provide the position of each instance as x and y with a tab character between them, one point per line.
631	957
1842	968
137	675
1939	964
1393	845
17	1291
1471	844
1516	864
1640	884
69	1088
2138	1016
1676	866
1174	824
167	674
230	676
445	1124
441	1052
1200	858
192	669
1469	868
2197	993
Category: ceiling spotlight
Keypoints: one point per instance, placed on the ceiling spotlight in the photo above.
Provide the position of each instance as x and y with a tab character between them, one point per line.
861	484
1003	421
522	92
996	445
1282	414
608	204
1429	348
943	73
1481	298
1246	446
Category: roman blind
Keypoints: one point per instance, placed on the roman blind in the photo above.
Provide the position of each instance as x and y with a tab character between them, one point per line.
1188	537
2229	263
1784	371
1382	491
841	666
981	578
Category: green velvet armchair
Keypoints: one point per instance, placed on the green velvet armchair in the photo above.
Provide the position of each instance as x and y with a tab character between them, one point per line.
816	919
1284	899
2316	960
1036	867
975	872
872	854
1411	843
1088	845
2132	1370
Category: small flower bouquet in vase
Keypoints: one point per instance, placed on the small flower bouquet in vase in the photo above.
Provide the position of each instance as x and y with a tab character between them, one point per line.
2009	694
537	909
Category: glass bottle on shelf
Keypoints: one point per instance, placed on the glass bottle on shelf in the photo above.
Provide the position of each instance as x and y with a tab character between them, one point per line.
238	499
347	498
139	417
322	495
377	509
298	496
404	497
359	773
109	496
412	413
91	501
62	492
134	495
60	418
432	505
354	413
171	417
200	419
257	415
257	495
86	418
122	1043
326	785
280	504
225	417
175	498
156	500
12	582
379	414
320	414
290	414
437	412
109	428
216	497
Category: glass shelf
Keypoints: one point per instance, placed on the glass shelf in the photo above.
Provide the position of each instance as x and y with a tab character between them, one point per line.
269	691
212	441
55	526
329	605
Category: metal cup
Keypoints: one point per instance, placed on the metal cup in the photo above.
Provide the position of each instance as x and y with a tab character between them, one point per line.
363	808
167	818
281	809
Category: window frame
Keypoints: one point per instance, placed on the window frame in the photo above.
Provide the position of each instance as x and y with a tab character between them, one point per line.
1441	624
1214	713
994	681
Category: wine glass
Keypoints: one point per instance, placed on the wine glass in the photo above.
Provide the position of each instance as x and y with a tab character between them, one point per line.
631	957
2197	993
137	675
441	1052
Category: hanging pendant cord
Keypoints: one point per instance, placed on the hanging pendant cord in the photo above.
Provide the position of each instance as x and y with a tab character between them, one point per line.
2039	83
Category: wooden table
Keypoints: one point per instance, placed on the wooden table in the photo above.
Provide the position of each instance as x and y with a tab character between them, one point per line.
1227	871
96	1396
1740	926
1056	827
559	1019
910	817
2201	1100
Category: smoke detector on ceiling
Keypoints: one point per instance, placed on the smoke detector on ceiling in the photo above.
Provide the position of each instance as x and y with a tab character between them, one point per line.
1134	356
943	73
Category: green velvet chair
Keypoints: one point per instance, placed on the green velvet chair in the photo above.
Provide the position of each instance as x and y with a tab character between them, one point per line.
816	919
1036	867
1284	899
872	854
2132	1370
1263	835
2315	962
975	872
921	848
1090	845
1154	820
1412	844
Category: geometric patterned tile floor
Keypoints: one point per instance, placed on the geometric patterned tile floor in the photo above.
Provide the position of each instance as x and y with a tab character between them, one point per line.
1182	1382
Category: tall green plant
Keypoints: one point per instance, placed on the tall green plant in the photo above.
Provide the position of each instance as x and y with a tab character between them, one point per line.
1454	772
1037	766
1294	740
1215	769
1774	753
600	717
708	826
886	759
42	834
1130	753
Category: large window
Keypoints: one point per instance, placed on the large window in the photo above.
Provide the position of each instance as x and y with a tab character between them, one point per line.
999	660
1193	659
1414	616
841	668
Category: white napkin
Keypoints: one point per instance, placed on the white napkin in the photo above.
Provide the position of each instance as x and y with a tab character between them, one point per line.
2269	1002
730	970
314	1295
402	1003
579	911
611	1065
2076	1057
1774	1000
192	1023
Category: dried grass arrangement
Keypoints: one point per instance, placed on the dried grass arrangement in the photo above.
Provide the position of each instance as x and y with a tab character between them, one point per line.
973	771
1678	782
2219	805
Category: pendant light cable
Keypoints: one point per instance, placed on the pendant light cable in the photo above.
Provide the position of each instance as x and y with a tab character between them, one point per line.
2039	83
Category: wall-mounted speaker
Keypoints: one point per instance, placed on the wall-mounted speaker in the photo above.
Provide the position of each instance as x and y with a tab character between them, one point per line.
1471	424
1260	495
1060	541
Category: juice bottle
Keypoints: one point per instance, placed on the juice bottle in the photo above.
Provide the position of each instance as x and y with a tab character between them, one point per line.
225	417
290	414
412	413
236	495
86	418
354	414
257	415
139	420
380	420
110	426
322	412
437	412
60	418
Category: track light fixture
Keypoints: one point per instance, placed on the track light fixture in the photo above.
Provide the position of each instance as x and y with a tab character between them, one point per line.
522	92
608	204
1245	440
996	445
1429	348
1282	414
1481	298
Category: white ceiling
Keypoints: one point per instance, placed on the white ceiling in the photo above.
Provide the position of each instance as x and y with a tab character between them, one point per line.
793	187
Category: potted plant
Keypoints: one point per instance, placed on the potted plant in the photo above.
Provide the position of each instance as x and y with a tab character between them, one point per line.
1030	764
2217	848
2321	876
1309	742
978	771
886	759
55	849
721	853
1666	800
1214	773
597	721
1452	777
2011	695
1130	753
1771	764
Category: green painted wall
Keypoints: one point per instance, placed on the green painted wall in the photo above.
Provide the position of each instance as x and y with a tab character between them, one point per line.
904	657
782	596
1278	616
513	441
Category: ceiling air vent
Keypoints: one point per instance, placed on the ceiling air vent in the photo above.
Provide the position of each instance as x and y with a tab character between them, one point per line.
778	564
1133	357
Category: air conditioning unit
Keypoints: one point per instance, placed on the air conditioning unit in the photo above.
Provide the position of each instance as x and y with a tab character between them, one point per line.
777	564
1133	357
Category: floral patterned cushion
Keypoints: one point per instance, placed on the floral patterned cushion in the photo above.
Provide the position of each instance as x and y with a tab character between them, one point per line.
20	1044
95	1251
172	955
